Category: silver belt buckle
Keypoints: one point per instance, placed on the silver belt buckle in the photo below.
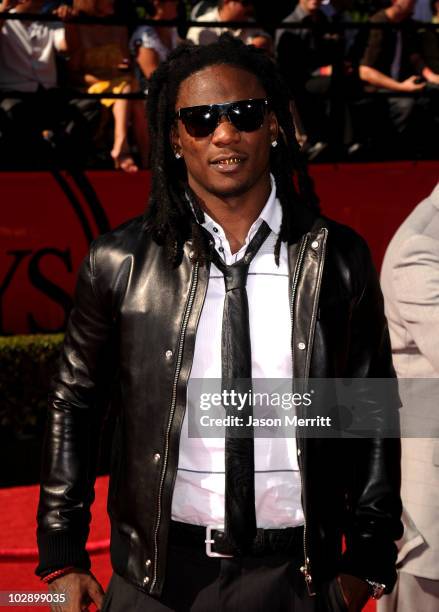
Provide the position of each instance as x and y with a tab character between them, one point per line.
209	541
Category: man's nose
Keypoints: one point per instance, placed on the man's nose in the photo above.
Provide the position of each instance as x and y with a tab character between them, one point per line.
225	132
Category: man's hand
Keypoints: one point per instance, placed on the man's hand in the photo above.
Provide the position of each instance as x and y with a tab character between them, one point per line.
356	592
81	589
65	12
411	85
383	81
262	42
430	76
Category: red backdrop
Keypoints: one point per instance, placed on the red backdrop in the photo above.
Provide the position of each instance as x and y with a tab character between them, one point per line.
49	219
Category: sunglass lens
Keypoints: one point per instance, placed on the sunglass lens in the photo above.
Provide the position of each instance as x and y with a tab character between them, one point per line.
248	116
200	121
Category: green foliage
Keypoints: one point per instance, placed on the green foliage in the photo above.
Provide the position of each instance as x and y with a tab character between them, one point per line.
27	364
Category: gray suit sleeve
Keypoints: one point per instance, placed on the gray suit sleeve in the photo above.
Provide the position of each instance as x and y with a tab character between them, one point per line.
416	287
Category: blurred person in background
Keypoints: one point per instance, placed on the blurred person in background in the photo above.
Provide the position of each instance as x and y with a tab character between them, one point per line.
305	59
410	284
28	48
152	45
99	62
392	62
28	65
422	10
230	10
202	7
340	11
430	41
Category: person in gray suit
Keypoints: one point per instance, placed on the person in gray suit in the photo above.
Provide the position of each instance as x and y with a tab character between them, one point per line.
410	283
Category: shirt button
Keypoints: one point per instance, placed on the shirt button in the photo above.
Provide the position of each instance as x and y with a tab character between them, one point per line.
215	229
168	354
301	346
156	457
221	249
315	244
148	563
146	580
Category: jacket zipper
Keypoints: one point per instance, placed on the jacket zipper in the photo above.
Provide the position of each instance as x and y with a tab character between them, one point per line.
194	283
315	308
305	569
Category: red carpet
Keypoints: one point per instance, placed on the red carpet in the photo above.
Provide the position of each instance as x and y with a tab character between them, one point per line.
18	553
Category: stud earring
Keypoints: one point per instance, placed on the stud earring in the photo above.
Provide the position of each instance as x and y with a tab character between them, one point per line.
177	155
274	144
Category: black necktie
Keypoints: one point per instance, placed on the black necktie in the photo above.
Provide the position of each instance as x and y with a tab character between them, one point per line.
239	510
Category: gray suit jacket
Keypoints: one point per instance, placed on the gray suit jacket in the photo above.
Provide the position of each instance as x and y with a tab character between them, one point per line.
410	283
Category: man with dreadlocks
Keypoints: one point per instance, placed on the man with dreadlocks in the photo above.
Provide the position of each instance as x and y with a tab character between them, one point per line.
232	275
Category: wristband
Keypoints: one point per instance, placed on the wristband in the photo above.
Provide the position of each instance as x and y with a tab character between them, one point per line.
57	574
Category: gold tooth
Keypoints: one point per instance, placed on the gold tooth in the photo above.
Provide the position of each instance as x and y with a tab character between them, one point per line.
232	160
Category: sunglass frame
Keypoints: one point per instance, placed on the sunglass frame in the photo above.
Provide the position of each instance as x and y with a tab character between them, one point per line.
220	110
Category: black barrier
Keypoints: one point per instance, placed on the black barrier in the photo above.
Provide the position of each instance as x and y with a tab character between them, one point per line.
329	27
336	95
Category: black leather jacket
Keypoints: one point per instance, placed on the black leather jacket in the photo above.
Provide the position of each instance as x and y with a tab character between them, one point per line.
132	332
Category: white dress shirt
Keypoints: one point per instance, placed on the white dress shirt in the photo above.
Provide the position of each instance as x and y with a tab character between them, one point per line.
199	488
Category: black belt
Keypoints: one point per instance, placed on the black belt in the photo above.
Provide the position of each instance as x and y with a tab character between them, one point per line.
213	541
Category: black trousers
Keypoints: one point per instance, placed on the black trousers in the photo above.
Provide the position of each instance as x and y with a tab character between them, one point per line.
197	583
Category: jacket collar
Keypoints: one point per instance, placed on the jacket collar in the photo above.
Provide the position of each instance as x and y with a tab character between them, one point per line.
303	217
271	214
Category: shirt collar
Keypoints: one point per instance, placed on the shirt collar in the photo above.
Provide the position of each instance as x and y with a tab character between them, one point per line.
271	214
272	211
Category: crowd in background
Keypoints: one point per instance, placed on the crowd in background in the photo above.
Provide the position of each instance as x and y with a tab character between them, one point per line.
356	94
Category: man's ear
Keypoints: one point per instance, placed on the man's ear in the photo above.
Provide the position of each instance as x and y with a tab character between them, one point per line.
175	140
273	126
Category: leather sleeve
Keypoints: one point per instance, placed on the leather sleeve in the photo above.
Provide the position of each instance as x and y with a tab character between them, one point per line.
375	505
72	430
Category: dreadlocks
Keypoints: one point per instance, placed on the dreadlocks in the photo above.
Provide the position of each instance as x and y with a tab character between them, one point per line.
174	213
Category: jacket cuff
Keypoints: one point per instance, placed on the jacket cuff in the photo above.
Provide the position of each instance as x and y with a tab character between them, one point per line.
61	549
371	560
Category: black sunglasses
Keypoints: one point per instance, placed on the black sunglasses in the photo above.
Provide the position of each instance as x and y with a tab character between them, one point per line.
245	115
